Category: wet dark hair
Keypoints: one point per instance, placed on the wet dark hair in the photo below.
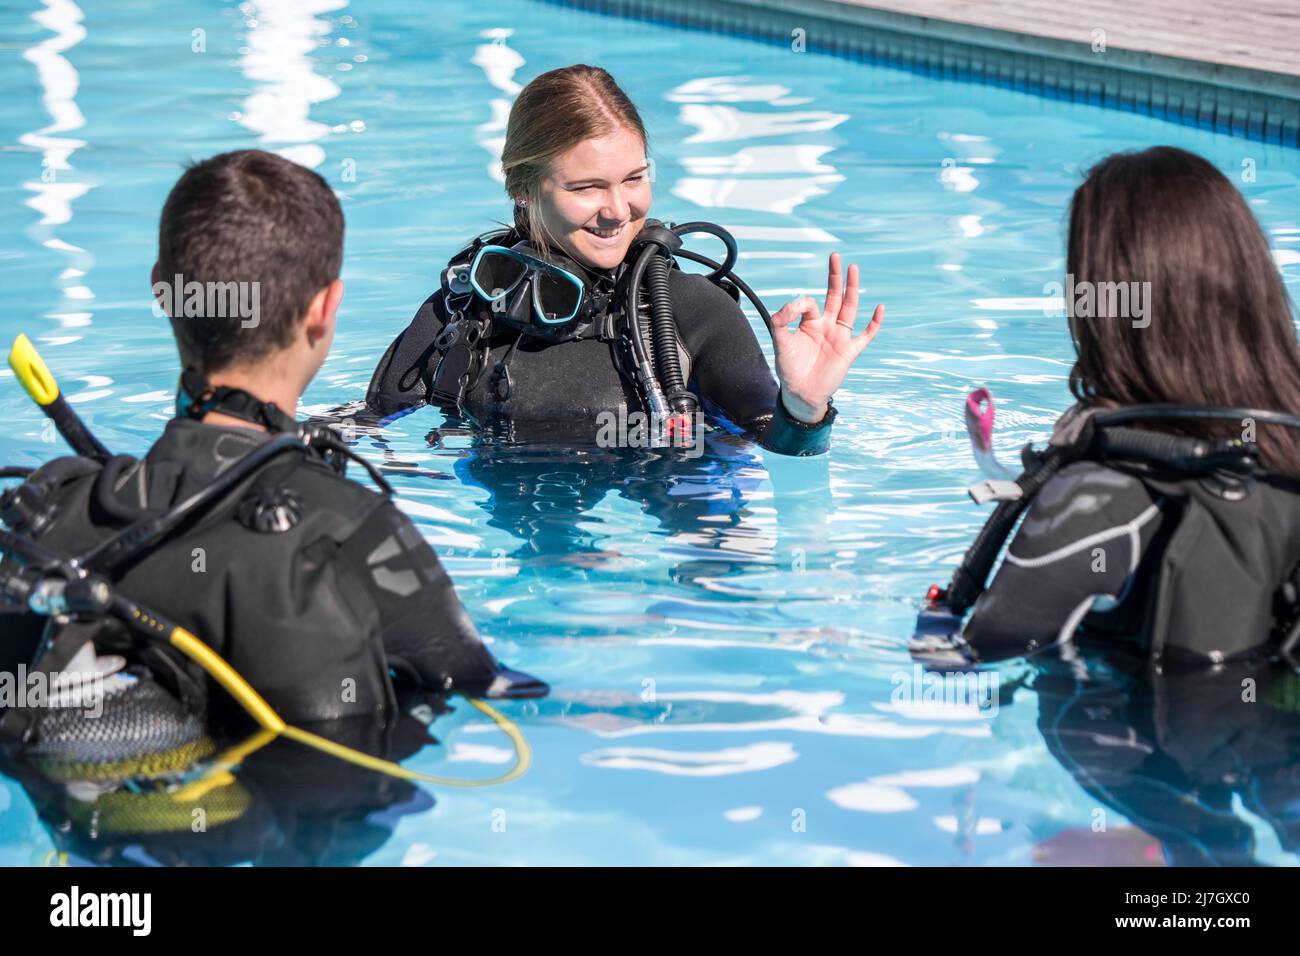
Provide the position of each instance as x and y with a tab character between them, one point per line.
1221	330
243	217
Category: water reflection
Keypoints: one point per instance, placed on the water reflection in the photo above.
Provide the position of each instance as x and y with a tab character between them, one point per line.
1203	762
499	63
724	124
543	494
733	89
745	179
53	199
766	195
260	801
277	57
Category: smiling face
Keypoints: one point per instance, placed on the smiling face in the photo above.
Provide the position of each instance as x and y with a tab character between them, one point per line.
595	197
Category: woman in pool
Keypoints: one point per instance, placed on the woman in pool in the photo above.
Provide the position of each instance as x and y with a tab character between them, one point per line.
575	166
1185	533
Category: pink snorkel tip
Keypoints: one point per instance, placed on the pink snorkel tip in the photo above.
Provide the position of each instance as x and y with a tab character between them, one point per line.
979	418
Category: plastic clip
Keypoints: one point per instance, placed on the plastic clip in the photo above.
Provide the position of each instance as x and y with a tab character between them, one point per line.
983	492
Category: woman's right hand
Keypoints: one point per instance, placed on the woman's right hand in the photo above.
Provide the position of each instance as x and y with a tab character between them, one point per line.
812	360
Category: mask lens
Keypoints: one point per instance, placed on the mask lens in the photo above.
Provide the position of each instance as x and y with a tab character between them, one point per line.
557	297
496	273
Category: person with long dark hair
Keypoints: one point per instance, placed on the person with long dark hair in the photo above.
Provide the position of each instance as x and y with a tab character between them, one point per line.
1220	330
1164	514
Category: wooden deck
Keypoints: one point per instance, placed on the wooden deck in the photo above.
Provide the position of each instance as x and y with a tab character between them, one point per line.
1256	35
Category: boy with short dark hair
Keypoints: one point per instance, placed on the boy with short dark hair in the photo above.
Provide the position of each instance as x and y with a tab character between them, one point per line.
314	588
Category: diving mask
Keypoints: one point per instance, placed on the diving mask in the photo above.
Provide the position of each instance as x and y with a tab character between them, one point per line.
545	297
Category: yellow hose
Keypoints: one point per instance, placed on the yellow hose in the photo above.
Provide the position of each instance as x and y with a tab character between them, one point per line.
218	773
523	755
266	717
227	677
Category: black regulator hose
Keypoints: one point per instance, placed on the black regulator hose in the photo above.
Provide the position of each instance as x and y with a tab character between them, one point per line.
642	348
668	360
133	542
652	247
712	229
657	355
1133	413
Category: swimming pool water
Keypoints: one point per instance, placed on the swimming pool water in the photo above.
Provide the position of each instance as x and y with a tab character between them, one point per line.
726	638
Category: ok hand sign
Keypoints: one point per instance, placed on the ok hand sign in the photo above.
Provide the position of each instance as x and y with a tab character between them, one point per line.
812	361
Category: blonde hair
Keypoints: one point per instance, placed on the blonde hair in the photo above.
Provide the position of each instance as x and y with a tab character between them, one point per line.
552	114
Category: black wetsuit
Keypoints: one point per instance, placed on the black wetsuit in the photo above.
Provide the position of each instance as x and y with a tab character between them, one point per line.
315	616
571	383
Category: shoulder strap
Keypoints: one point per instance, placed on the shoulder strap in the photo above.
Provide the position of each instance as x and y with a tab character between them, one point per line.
29	507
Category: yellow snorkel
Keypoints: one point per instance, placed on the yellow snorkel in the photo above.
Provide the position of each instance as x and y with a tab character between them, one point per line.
34	376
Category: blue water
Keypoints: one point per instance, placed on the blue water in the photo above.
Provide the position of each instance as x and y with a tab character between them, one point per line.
726	639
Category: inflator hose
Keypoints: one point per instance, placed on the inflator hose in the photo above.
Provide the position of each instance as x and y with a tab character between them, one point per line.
668	360
971	576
